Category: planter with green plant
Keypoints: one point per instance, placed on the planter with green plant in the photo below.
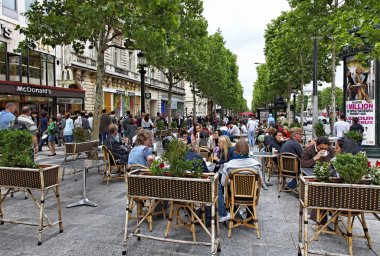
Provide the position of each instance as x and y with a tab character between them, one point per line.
18	171
354	135
319	130
81	144
173	127
160	125
353	190
172	176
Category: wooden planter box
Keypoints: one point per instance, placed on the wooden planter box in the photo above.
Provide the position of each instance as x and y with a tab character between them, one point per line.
76	148
350	197
144	184
43	179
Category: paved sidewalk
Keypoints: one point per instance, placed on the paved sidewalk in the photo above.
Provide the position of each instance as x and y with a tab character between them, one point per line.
100	230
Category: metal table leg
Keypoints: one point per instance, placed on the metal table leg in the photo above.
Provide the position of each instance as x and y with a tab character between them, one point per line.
84	200
265	183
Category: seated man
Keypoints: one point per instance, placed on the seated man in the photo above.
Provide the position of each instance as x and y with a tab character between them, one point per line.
294	147
242	161
320	151
114	144
277	142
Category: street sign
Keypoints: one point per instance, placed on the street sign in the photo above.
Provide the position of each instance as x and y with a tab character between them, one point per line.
148	95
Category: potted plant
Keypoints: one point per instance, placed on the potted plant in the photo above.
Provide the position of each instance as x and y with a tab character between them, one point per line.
173	179
354	135
161	131
319	130
81	144
173	127
352	170
19	171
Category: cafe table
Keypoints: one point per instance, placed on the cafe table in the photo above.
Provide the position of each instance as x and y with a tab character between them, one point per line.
262	156
307	171
83	165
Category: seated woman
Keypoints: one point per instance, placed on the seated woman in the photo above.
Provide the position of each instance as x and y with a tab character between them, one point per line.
142	153
242	160
226	150
213	142
114	144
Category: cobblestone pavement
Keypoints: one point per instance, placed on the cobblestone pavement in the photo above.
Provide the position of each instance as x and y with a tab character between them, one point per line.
99	230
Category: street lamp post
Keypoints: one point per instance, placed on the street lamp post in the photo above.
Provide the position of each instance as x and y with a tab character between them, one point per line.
142	64
315	86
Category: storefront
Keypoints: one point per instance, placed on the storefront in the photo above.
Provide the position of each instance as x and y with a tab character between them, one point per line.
41	98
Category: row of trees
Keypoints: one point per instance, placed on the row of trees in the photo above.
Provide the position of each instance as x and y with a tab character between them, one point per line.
172	33
289	46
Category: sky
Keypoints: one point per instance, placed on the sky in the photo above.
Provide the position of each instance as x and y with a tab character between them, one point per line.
243	23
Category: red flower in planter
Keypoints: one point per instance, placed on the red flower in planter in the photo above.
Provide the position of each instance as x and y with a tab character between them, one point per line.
377	163
369	164
162	165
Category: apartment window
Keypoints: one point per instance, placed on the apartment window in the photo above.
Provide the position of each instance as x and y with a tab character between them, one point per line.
3	61
28	3
130	54
34	69
10	8
14	67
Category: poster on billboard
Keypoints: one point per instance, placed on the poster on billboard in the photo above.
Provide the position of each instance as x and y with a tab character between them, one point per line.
360	96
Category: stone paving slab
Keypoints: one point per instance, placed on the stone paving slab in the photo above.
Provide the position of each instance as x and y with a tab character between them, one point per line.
100	230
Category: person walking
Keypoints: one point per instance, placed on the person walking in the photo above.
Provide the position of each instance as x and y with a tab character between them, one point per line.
30	125
104	123
43	130
341	127
52	133
68	129
7	115
252	126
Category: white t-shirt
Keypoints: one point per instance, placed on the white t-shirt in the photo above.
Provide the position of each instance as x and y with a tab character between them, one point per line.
244	129
251	125
340	128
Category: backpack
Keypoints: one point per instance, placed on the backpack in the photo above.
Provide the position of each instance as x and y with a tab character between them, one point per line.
18	125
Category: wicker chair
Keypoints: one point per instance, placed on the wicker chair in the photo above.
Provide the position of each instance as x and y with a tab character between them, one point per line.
111	164
206	152
288	167
245	187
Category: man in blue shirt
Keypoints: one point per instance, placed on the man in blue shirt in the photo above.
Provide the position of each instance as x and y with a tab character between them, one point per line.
43	129
7	116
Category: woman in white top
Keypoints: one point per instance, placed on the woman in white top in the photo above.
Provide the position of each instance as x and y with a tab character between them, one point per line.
146	122
68	129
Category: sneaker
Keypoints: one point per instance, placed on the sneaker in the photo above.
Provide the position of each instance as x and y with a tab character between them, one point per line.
225	218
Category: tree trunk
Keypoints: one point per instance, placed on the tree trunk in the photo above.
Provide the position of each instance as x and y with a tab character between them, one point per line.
301	103
301	93
98	107
288	103
194	110
170	92
333	88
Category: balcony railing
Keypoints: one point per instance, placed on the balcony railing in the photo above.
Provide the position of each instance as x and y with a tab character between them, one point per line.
121	72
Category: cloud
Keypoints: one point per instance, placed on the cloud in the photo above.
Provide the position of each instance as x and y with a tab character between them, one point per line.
243	23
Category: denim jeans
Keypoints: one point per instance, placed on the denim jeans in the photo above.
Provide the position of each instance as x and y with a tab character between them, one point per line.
42	142
104	137
221	205
251	138
68	138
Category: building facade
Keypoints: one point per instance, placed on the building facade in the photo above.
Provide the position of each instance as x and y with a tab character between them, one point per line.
200	103
29	79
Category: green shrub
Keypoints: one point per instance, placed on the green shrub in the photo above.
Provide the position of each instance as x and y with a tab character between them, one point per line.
319	130
175	156
322	171
356	136
351	167
81	135
16	149
160	125
173	125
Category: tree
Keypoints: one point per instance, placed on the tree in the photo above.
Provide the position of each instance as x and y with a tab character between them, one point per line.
171	44
324	99
97	22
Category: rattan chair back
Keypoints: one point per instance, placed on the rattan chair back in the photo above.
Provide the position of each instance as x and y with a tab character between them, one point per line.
111	163
288	165
206	152
245	183
134	167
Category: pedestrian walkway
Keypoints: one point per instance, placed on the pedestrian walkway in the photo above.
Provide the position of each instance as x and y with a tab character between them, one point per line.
99	230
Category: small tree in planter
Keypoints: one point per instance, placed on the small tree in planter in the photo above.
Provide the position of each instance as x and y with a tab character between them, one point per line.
16	148
354	135
351	168
319	130
81	135
160	125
